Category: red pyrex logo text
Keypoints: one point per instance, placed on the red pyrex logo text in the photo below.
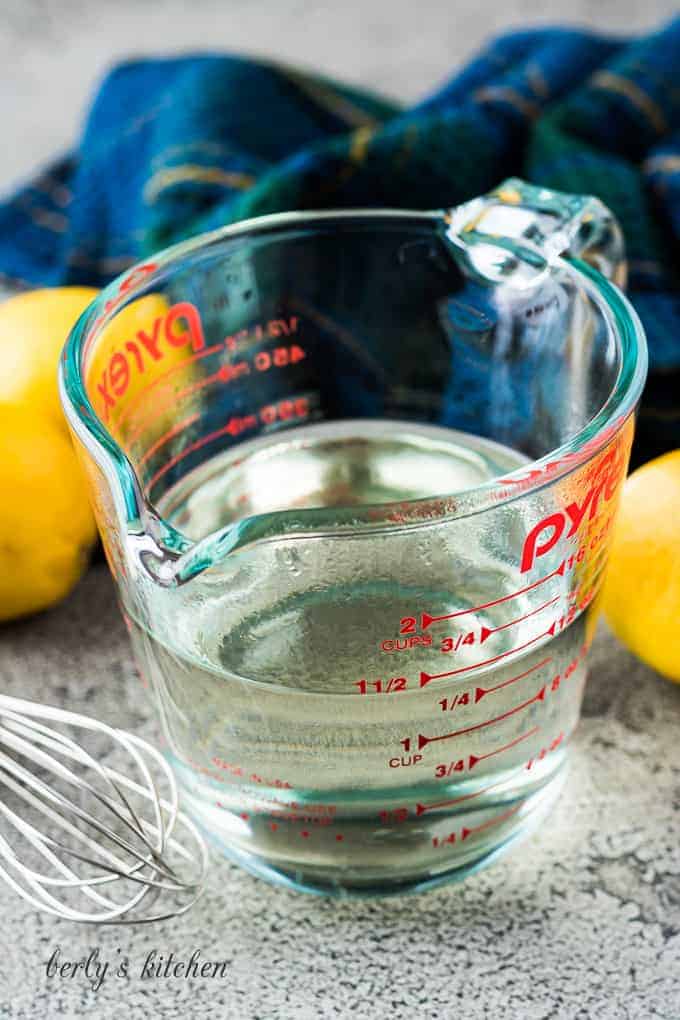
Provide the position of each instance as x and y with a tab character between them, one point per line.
545	535
180	325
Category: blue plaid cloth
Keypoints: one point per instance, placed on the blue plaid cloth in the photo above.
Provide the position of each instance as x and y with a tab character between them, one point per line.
172	147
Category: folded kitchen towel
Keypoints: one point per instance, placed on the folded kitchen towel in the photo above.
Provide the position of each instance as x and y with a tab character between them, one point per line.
176	146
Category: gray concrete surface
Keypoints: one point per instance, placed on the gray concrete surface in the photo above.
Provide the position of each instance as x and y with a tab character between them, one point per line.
580	923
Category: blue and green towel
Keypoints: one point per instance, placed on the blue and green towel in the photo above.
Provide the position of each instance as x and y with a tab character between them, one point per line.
173	147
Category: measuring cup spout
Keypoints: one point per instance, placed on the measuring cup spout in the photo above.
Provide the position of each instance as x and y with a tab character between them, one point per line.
170	560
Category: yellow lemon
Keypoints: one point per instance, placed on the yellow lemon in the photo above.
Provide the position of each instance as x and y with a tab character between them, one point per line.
120	337
33	329
46	524
140	372
642	588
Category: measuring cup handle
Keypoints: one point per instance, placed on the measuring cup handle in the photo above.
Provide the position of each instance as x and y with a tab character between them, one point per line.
532	224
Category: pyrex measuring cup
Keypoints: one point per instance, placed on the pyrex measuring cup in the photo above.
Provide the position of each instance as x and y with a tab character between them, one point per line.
355	474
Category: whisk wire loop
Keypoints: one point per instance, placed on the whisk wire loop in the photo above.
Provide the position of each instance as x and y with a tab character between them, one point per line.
136	850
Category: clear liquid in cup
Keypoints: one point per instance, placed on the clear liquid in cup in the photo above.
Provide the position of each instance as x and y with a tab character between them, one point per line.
365	716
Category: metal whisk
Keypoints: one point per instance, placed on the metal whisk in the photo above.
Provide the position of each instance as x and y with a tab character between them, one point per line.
118	831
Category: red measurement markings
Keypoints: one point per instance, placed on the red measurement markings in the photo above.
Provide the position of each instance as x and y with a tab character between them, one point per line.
586	599
394	685
468	697
304	833
466	832
224	374
472	637
481	692
234	426
569	670
465	764
241	773
157	410
167	436
284	410
280	357
299	808
319	821
426	619
230	371
270	330
264	360
545	751
486	632
274	826
423	741
422	808
396	815
406	644
448	769
460	700
425	678
220	763
311	816
127	407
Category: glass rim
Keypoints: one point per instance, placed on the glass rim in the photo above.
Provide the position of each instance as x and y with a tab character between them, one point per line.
562	460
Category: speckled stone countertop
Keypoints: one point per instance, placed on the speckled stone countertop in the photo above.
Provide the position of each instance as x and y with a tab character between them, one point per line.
582	922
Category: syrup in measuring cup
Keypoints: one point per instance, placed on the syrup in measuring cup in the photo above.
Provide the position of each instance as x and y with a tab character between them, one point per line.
377	721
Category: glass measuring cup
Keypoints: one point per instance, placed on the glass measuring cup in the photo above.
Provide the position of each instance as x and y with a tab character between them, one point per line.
355	474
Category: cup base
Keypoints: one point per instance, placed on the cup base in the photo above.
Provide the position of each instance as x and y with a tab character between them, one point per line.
346	880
